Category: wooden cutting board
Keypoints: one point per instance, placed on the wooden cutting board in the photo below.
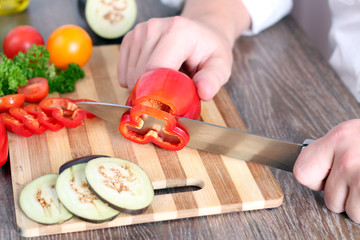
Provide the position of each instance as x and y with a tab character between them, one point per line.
226	184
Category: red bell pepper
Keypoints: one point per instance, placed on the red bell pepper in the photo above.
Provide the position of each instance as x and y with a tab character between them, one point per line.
15	126
47	121
31	122
163	94
4	145
64	110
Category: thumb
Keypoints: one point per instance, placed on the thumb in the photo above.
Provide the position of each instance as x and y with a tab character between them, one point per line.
210	78
314	164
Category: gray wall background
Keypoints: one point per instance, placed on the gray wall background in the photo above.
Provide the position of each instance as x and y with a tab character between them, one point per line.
314	18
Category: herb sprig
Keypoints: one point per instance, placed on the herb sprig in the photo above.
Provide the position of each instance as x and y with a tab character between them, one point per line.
35	63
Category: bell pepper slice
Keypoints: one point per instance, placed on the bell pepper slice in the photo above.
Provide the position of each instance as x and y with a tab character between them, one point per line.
4	145
163	94
64	110
47	121
31	122
169	136
15	126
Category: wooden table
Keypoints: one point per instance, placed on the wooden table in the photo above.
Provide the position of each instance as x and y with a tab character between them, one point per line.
282	88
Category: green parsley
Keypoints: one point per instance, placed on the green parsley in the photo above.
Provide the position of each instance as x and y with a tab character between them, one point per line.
35	63
11	76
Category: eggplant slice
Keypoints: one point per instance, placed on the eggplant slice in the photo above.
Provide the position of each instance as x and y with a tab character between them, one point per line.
122	184
39	201
74	193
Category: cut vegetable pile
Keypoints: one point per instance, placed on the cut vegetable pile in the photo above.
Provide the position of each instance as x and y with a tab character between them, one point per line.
50	114
93	188
29	71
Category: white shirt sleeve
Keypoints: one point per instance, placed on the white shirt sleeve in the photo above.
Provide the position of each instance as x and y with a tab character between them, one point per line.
265	13
345	43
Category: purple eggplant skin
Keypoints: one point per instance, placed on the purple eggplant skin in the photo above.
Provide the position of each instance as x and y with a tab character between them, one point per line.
82	160
79	160
122	210
95	221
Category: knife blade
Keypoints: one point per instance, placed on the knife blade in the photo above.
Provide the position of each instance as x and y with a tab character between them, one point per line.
216	139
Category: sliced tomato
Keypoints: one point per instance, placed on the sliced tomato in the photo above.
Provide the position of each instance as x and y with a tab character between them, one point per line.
15	126
35	90
48	121
9	101
31	122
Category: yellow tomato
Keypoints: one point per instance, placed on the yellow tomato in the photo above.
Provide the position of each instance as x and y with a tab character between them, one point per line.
69	44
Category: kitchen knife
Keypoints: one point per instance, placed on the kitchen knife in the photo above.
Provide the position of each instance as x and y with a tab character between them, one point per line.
216	139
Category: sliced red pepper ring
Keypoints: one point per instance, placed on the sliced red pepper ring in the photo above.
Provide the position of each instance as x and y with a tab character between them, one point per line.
4	152
64	110
64	104
15	126
143	124
162	94
4	145
31	122
47	121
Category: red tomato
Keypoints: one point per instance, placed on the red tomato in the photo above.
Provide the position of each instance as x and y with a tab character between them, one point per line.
35	90
69	44
13	100
21	38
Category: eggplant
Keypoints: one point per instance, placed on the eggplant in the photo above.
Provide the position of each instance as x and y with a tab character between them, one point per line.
73	191
111	19
122	184
39	201
75	161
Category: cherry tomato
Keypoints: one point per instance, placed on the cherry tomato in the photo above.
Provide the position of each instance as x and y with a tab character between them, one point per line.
69	44
13	100
21	38
35	90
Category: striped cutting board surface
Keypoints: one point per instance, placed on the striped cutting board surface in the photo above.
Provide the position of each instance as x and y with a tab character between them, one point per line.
226	184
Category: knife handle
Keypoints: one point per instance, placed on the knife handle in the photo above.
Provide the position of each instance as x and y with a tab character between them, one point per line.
307	142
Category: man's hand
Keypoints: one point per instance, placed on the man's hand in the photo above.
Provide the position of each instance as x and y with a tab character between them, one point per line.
174	43
198	42
332	164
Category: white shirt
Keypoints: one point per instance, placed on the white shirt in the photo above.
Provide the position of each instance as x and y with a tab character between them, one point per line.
345	42
344	34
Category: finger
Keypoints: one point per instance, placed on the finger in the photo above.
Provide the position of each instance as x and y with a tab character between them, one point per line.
150	41
314	164
336	191
352	204
172	49
135	51
123	57
210	78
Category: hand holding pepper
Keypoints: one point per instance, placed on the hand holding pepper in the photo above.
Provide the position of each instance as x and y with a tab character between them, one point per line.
162	94
200	41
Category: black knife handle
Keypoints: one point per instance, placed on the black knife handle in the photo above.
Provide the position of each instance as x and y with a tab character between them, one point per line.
307	142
